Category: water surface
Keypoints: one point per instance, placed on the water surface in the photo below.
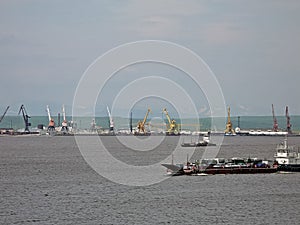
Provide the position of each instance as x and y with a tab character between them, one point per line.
45	180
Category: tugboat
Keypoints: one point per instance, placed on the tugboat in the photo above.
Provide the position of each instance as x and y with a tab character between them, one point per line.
287	159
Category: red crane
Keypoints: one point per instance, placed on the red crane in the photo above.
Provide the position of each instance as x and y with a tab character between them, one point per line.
275	124
288	123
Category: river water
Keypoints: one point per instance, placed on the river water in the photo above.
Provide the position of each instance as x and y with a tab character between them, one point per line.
45	180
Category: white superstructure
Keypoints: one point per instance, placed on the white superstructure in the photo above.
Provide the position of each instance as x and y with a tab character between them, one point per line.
286	155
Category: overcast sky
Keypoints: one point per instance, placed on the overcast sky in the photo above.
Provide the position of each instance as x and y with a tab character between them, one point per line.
252	46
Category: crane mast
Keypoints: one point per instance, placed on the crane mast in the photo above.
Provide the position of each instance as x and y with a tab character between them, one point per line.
25	118
275	123
288	122
1	118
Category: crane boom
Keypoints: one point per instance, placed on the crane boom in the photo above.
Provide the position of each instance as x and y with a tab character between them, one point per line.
275	123
145	118
141	124
48	112
4	113
167	115
111	121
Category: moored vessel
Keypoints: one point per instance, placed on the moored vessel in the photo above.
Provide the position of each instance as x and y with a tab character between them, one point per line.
204	142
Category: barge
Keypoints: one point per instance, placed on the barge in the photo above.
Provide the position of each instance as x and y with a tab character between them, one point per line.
222	166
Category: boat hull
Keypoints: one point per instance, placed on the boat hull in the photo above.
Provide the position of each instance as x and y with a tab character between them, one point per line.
289	168
213	171
178	170
197	144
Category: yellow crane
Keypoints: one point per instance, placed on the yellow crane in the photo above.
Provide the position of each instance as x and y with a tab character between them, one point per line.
141	124
229	130
172	127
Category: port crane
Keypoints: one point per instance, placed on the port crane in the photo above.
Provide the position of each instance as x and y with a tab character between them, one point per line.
25	118
275	123
229	130
172	127
111	122
288	122
1	118
141	124
51	126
